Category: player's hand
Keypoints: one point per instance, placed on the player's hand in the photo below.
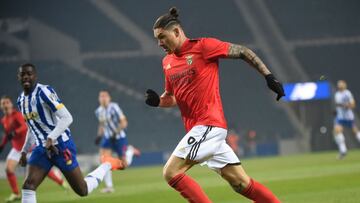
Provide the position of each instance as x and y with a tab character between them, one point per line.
98	140
50	148
113	138
275	86
152	98
23	159
1	149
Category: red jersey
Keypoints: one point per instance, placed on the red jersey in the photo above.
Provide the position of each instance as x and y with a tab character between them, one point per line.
192	76
14	123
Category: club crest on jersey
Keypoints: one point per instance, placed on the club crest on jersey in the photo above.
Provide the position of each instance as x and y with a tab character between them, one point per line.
189	59
53	97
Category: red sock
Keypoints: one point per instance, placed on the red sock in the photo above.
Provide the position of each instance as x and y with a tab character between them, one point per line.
189	189
259	193
53	176
13	182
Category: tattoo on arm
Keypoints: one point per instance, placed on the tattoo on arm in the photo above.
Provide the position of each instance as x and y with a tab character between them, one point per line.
238	188
238	51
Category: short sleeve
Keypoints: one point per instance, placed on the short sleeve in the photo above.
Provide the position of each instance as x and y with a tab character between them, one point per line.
168	86
213	49
49	96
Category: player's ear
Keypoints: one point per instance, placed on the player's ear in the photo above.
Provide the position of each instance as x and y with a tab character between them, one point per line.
176	31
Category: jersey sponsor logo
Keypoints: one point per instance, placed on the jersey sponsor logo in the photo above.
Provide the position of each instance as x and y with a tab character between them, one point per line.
183	78
189	59
31	116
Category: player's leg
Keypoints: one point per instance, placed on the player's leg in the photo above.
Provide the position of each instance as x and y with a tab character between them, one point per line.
106	151
246	186
109	187
67	163
39	166
340	140
191	150
12	161
55	175
34	178
174	173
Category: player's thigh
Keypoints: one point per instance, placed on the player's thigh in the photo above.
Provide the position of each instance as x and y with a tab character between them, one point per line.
35	177
338	128
175	166
236	176
12	160
76	181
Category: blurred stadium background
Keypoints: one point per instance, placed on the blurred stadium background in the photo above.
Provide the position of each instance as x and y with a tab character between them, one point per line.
81	47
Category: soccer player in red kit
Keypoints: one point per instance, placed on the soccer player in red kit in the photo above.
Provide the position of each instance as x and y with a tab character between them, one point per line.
15	131
192	84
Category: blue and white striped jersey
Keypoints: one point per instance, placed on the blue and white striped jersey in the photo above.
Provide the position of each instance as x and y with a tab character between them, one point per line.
344	97
110	117
38	110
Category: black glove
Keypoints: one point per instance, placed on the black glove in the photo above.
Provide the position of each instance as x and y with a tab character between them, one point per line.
152	98
275	86
11	135
113	138
98	140
1	149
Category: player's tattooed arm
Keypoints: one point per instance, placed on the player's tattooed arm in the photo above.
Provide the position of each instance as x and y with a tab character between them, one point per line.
241	52
167	99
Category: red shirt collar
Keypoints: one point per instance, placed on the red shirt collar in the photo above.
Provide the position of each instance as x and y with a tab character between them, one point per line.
184	47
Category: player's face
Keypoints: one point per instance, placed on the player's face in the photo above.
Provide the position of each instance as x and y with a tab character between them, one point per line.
168	39
341	85
27	78
6	106
104	98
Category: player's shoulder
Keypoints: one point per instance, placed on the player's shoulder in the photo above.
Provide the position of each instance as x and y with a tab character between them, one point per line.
47	89
114	105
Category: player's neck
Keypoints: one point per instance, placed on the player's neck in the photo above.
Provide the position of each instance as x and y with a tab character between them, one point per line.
9	112
181	44
30	90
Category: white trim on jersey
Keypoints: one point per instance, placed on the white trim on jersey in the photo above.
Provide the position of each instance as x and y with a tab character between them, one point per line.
38	109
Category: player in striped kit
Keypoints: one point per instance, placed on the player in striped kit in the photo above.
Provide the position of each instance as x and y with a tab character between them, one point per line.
48	121
111	134
345	103
15	132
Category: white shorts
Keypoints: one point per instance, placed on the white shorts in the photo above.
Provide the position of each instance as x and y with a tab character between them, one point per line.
206	145
14	155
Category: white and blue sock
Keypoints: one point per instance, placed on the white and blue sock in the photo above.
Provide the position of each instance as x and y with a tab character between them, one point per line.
28	196
94	178
340	141
108	180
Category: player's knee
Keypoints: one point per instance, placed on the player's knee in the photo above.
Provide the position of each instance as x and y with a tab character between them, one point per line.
168	174
9	170
81	191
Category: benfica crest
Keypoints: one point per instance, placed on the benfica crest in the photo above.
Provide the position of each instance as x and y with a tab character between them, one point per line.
189	59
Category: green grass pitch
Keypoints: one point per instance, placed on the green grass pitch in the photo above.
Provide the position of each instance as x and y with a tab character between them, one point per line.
310	178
